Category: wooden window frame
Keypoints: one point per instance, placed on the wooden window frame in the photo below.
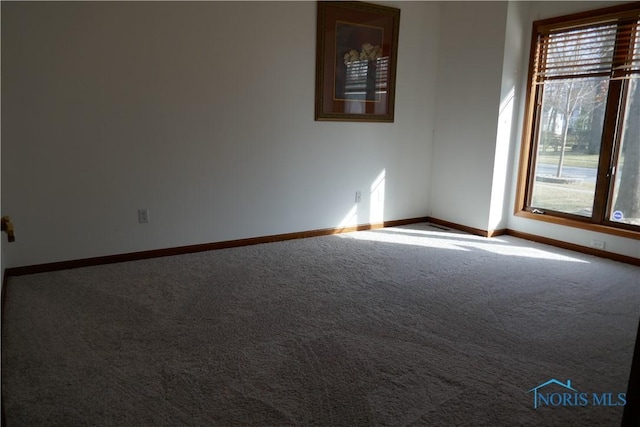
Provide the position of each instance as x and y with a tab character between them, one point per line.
597	222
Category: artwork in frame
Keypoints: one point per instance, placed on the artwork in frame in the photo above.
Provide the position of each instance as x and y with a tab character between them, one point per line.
357	48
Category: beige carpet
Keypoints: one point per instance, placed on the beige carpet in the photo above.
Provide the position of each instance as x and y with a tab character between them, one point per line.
411	325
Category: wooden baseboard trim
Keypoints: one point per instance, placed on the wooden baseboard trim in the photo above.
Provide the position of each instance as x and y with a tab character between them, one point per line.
134	256
399	222
498	232
470	230
535	238
572	246
459	227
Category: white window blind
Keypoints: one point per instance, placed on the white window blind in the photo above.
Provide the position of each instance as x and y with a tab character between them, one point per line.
606	49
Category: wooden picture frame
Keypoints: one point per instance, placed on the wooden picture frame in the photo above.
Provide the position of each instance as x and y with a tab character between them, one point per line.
356	56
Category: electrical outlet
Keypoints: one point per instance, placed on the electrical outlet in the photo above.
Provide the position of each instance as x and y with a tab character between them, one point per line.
358	196
597	244
143	215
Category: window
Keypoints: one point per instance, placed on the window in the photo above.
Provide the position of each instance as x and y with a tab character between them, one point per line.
580	162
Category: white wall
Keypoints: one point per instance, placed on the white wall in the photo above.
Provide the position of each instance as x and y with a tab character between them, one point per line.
619	245
472	44
514	45
201	112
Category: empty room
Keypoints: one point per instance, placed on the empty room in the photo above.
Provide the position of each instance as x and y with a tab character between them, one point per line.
320	213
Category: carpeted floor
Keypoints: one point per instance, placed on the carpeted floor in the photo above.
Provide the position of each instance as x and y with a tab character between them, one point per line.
410	325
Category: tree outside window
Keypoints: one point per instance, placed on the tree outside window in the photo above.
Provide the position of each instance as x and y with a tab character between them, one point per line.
581	152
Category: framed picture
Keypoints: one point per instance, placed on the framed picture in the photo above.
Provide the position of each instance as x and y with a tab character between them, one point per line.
357	49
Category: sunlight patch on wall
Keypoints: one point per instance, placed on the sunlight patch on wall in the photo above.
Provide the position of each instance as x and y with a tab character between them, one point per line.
501	161
376	210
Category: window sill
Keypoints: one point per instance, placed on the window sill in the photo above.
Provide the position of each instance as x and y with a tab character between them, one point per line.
580	224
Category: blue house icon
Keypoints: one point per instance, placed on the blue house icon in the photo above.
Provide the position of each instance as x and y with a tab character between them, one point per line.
551	381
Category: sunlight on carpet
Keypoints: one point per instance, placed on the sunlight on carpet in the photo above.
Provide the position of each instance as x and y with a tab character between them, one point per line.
456	241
